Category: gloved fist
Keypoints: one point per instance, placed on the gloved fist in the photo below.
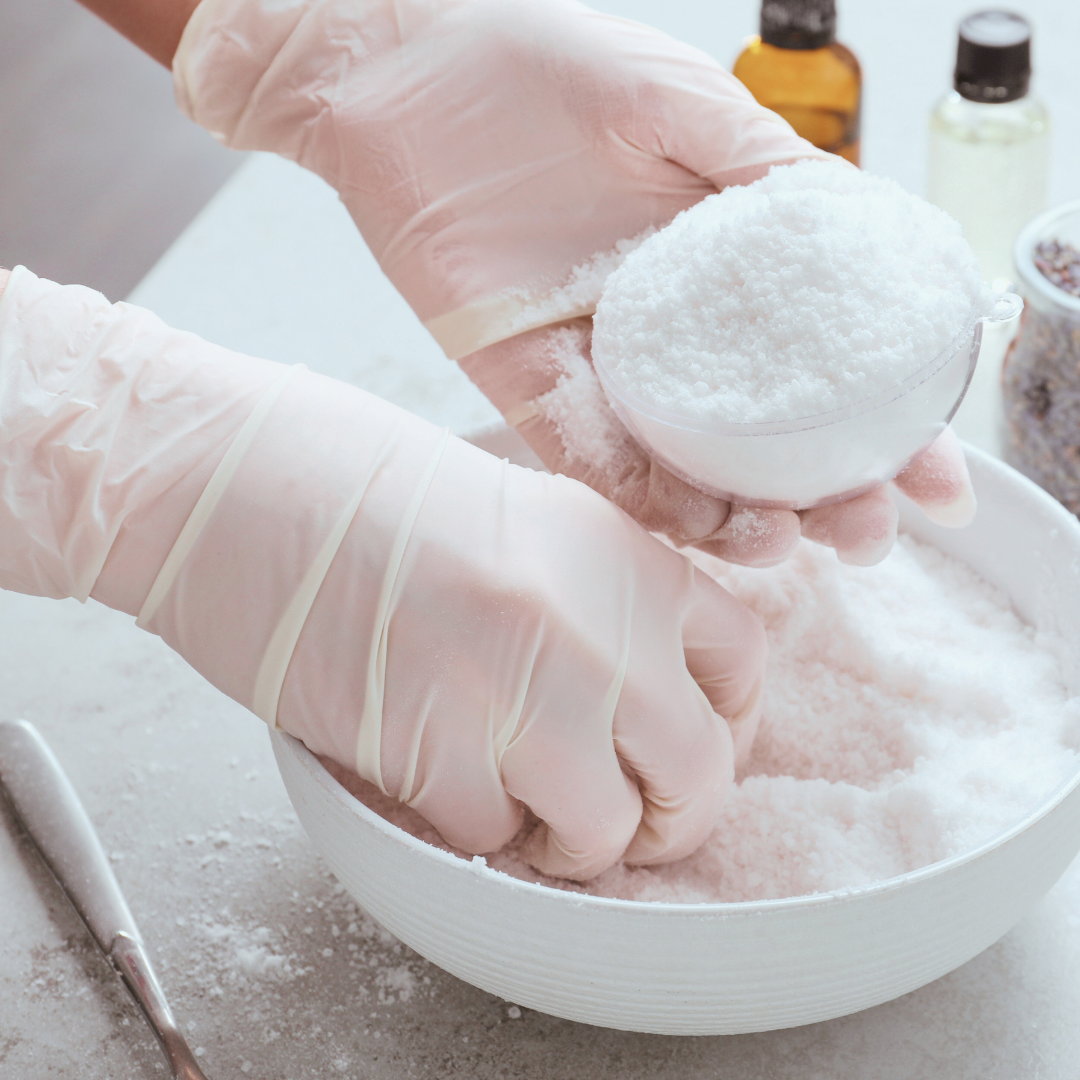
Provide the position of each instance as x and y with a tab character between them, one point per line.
499	157
471	637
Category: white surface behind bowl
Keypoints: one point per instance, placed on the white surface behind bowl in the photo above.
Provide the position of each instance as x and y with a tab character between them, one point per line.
724	968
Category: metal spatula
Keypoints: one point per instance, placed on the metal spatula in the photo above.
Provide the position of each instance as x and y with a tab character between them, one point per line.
48	808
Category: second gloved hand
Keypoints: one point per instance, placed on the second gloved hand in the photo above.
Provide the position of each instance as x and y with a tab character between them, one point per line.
471	637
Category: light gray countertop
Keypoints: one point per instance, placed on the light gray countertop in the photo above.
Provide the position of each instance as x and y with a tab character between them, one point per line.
272	969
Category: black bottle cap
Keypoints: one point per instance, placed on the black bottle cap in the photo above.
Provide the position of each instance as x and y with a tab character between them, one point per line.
798	24
993	57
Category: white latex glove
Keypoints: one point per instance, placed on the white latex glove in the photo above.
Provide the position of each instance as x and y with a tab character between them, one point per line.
485	148
469	636
497	155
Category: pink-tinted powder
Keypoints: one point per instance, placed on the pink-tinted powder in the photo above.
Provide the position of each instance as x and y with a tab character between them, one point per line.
909	716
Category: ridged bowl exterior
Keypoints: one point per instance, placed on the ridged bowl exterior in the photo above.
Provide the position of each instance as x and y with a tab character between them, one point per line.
705	969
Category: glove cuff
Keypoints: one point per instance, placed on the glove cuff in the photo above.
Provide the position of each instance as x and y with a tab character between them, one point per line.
516	311
497	318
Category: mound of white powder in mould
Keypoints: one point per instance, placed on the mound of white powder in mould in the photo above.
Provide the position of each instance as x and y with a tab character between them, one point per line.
909	716
814	288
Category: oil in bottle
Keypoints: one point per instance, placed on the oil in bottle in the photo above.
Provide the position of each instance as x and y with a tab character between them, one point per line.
797	68
989	139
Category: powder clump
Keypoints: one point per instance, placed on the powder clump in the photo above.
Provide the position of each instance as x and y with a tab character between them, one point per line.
812	289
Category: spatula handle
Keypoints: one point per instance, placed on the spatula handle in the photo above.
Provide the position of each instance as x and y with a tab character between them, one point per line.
50	811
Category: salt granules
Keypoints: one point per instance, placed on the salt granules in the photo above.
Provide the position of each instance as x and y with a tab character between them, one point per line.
909	716
1042	383
812	289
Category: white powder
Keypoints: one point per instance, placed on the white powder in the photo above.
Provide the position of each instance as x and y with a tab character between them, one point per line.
909	716
814	288
579	294
588	428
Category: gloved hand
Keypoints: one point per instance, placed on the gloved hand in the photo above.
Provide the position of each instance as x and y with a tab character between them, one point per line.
469	636
485	148
545	380
499	157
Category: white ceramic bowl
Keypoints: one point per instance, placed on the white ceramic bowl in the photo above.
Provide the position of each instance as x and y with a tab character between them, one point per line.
813	460
703	969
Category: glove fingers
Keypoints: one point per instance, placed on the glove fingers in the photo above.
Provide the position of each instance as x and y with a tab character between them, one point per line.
938	481
726	651
683	750
862	530
456	784
572	780
754	536
685	766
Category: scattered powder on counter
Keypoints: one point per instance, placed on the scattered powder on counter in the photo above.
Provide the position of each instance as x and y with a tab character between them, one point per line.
814	288
909	716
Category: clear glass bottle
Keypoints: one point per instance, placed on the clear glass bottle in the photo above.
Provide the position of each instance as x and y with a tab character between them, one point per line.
797	69
989	140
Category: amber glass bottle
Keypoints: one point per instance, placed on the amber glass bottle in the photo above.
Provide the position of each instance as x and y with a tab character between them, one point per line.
798	69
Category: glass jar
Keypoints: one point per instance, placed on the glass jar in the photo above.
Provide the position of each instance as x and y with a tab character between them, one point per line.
1041	378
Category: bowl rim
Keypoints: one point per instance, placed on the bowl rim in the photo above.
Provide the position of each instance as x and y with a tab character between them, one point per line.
984	308
478	864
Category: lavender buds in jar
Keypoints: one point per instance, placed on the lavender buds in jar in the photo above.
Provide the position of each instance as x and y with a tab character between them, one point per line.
1059	264
1042	371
